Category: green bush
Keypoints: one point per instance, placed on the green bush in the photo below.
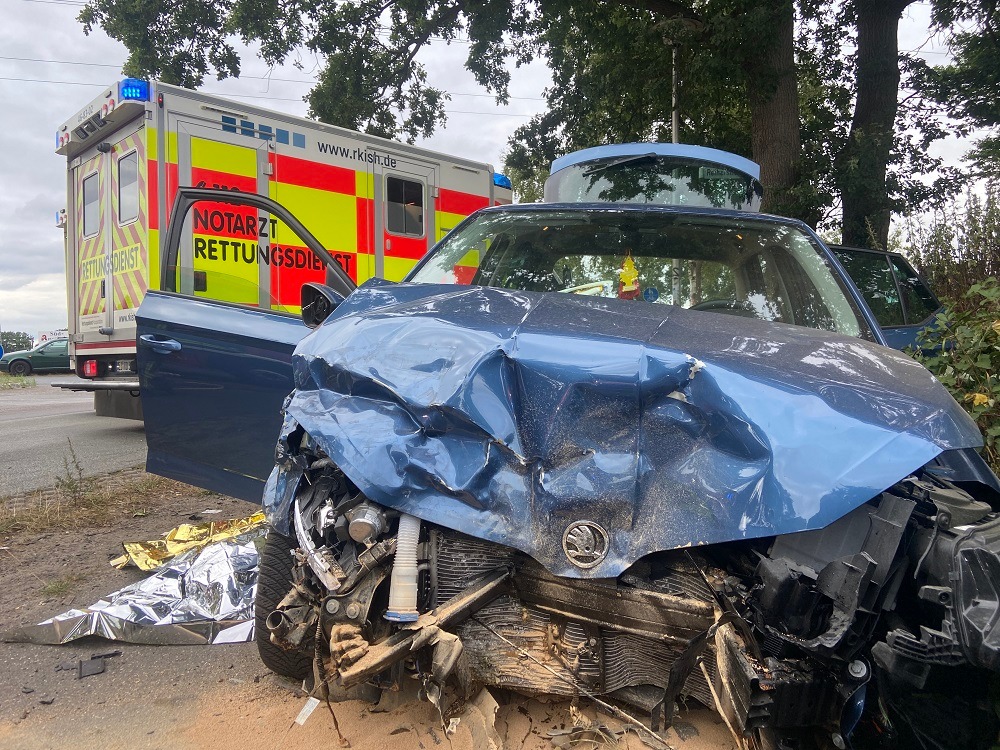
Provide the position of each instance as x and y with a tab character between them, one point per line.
957	245
965	346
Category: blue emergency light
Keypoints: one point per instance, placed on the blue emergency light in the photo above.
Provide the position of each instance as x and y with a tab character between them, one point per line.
501	180
134	89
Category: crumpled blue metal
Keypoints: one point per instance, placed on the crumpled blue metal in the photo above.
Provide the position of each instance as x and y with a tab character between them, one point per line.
509	415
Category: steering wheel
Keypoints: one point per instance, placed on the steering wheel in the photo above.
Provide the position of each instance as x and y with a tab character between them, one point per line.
591	289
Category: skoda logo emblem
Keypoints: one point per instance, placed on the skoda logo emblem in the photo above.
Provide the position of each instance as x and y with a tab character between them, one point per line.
585	543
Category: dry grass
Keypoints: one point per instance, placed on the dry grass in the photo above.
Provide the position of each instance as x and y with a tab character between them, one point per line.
79	500
10	382
60	586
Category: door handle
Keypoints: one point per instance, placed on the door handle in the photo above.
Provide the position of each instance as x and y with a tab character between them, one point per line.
160	346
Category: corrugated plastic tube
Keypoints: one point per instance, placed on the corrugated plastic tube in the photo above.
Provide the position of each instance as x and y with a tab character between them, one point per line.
403	584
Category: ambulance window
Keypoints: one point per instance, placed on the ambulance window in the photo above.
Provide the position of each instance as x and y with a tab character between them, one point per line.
128	188
91	206
405	204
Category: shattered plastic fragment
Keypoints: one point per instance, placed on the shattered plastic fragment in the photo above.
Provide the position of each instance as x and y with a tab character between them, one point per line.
307	710
90	667
204	595
151	555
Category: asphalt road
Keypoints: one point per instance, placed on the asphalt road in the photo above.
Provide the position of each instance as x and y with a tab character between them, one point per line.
37	426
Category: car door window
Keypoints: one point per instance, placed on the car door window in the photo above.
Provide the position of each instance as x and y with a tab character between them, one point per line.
243	255
876	283
56	349
919	303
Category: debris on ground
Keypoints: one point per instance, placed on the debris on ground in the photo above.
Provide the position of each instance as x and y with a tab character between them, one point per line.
90	667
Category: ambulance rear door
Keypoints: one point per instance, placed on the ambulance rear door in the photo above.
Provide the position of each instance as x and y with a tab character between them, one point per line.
110	240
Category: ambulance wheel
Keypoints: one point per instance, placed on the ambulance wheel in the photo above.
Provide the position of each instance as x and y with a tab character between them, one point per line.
274	581
20	367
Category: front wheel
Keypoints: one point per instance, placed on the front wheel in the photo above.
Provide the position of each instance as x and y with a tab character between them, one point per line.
20	367
274	581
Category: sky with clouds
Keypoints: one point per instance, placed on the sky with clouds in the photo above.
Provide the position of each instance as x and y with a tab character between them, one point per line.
49	69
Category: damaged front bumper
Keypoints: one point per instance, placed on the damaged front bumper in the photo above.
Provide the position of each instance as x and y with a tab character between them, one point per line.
782	637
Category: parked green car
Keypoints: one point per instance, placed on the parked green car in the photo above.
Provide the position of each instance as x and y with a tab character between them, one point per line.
50	356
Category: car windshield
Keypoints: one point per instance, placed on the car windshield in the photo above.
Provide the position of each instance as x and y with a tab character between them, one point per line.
738	266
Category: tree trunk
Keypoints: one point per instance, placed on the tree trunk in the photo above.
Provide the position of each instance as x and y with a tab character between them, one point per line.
774	112
861	165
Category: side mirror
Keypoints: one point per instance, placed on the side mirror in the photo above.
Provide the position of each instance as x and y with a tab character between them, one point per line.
318	301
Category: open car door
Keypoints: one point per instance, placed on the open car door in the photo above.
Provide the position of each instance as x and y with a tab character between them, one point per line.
214	349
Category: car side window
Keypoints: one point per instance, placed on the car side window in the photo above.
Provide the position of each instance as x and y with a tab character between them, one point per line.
56	348
919	302
874	279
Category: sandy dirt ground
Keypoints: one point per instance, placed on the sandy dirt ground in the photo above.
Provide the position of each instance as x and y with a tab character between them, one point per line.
218	697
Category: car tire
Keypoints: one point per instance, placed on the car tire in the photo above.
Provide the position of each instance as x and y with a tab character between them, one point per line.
274	581
20	367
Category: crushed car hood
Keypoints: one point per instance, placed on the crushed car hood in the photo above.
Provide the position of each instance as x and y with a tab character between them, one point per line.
511	416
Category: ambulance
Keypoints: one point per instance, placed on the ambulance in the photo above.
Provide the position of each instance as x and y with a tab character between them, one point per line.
376	205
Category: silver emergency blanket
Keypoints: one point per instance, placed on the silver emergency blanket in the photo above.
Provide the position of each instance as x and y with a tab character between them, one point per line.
201	596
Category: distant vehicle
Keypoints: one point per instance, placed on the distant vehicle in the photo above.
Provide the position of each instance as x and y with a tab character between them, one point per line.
900	299
381	204
49	356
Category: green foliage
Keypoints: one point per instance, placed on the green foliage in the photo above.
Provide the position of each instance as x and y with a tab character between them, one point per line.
371	81
966	359
14	341
957	245
612	68
179	42
969	83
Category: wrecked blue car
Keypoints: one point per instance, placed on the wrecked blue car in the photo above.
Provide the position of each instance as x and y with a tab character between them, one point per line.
635	453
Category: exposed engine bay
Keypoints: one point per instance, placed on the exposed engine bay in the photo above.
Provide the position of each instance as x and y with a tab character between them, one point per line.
875	631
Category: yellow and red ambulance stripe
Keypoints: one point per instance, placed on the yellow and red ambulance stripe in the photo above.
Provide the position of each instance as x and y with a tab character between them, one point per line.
129	250
153	169
325	198
336	203
453	206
